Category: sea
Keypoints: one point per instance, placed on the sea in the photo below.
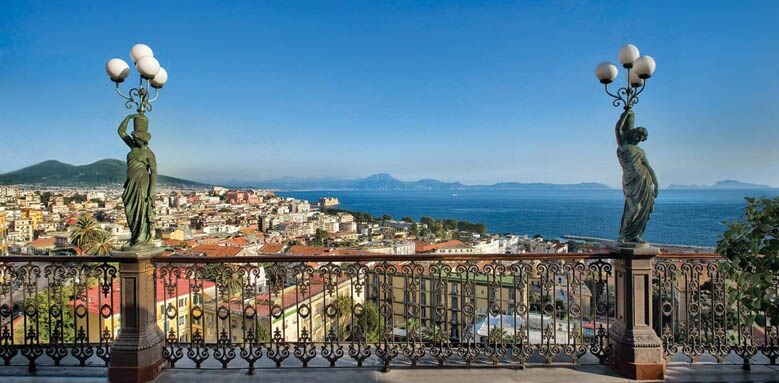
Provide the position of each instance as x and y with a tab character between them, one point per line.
680	217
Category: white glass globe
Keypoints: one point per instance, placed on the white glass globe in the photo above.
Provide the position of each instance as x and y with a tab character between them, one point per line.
148	67
628	54
117	70
644	66
635	80
139	51
606	72
160	78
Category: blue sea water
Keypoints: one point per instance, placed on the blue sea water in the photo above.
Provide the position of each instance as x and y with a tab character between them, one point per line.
689	217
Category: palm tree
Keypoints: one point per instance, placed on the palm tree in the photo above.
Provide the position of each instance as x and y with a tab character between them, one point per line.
102	243
83	232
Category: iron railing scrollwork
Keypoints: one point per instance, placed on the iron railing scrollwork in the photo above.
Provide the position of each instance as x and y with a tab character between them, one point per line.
384	311
373	310
58	311
697	320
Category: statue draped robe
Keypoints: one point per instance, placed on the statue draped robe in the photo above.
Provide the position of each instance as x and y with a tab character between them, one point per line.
638	182
137	196
639	192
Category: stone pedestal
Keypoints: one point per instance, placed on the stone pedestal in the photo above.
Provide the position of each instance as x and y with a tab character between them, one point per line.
638	350
136	354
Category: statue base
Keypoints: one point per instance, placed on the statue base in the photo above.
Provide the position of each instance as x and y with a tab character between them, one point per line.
136	354
638	351
633	248
140	248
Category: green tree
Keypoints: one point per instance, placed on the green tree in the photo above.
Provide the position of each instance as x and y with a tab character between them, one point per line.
386	217
751	247
84	232
369	321
408	219
450	224
102	243
320	237
77	198
49	325
415	229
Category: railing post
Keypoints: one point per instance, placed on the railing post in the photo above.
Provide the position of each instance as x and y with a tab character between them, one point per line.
638	350
136	354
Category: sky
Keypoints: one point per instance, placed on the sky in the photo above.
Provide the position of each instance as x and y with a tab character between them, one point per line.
477	92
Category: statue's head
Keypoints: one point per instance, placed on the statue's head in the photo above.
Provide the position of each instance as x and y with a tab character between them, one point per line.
637	135
140	133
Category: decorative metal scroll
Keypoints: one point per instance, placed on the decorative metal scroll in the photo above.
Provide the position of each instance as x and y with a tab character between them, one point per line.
698	322
385	313
58	314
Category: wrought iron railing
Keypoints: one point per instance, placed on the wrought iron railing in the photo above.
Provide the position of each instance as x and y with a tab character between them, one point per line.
697	319
508	310
383	310
57	310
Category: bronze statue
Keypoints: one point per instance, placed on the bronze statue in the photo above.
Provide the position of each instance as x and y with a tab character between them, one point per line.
138	196
639	182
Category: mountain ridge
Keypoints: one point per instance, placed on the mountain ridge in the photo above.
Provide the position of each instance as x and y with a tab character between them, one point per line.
102	172
113	171
728	184
384	181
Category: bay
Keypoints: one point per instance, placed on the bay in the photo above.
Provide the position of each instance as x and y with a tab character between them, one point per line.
684	217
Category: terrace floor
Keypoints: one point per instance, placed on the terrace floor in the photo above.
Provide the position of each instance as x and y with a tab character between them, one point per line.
580	374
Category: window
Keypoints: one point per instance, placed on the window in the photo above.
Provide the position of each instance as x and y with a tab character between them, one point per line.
182	302
455	300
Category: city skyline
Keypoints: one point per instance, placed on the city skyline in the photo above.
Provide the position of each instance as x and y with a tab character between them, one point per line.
477	93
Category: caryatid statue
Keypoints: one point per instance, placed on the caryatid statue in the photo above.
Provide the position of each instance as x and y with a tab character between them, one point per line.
639	182
139	188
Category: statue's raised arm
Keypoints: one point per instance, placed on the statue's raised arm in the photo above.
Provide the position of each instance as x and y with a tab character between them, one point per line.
123	130
624	125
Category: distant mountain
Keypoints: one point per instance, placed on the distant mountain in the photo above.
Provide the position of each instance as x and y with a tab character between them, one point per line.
103	172
724	185
383	181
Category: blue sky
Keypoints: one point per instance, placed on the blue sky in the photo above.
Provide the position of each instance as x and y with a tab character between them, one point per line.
472	91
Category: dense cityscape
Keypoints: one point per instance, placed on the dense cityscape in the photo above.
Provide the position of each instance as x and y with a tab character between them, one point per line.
36	220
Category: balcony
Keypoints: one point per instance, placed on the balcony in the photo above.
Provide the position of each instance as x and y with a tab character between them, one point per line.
425	316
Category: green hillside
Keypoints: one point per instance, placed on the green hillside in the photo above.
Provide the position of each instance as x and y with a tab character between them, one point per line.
103	172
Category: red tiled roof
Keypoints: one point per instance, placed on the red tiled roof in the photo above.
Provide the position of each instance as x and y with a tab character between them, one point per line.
271	248
309	250
42	242
172	242
96	299
292	296
423	247
217	251
237	241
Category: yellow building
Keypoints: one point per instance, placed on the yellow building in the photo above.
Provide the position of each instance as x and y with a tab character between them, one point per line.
415	300
3	231
34	215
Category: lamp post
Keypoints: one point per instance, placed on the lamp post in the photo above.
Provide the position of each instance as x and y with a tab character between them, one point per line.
152	75
136	354
639	70
639	181
638	351
138	196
